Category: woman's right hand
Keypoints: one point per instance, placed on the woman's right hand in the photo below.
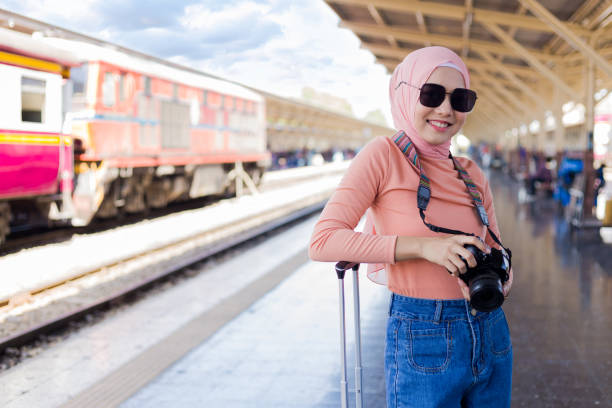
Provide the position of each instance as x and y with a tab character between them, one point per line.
447	252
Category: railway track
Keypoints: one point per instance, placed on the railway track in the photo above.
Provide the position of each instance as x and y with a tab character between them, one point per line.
138	274
29	238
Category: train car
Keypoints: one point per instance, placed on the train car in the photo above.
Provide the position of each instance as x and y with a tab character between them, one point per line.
147	132
35	156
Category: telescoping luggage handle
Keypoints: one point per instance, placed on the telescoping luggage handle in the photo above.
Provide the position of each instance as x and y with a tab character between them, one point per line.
341	268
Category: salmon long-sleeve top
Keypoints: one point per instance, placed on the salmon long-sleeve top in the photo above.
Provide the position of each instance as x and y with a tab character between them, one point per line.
380	178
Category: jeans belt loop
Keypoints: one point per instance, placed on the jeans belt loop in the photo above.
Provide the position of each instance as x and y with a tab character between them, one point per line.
438	313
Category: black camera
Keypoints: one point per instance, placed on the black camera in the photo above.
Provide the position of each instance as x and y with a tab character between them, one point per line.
486	278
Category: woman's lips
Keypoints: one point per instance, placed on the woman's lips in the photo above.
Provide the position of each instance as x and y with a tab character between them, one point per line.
439	125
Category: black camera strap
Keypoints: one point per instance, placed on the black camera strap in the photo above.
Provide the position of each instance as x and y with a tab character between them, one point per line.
424	190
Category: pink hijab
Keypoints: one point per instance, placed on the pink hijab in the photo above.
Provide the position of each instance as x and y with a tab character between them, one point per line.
415	69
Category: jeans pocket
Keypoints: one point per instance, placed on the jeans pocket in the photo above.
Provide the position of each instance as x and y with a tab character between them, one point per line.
429	348
499	334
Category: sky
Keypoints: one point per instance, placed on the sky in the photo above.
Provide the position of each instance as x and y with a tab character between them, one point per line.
279	46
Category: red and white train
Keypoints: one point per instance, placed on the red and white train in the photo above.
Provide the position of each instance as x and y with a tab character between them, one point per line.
90	131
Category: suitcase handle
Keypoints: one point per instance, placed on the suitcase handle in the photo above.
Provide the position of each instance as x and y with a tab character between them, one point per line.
341	268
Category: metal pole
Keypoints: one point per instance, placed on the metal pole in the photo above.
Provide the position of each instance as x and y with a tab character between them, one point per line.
343	382
589	121
358	377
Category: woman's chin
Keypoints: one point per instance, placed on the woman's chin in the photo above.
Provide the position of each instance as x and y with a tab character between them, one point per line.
437	139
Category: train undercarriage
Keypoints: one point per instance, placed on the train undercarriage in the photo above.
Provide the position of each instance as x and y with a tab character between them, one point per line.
103	192
5	219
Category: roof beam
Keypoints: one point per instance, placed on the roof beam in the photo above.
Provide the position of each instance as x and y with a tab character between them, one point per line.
579	57
381	22
400	53
446	40
498	66
478	72
495	64
486	125
603	14
421	22
376	15
466	26
561	30
510	97
389	63
580	14
529	57
494	98
492	116
449	11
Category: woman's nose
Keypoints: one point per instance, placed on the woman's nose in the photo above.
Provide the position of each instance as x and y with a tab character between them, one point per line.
445	106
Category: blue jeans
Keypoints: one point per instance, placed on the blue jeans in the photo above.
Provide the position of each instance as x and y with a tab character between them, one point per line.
439	354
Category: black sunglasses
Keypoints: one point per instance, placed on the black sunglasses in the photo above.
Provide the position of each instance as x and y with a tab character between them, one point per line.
432	96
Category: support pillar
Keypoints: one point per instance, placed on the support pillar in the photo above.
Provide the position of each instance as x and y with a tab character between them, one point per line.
542	135
559	128
589	120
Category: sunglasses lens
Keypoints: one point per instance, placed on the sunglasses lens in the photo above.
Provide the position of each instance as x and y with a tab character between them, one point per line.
463	100
432	95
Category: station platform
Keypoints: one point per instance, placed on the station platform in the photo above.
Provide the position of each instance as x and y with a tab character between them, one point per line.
282	350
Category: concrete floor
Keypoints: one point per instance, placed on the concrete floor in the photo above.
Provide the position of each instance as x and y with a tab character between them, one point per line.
560	310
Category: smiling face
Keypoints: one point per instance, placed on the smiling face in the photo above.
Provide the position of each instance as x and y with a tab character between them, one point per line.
438	125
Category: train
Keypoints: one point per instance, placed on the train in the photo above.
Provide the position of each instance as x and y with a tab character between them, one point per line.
94	131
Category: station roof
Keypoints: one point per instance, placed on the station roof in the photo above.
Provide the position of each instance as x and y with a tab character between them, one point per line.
525	57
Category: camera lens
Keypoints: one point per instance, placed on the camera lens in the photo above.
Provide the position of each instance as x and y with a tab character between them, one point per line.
486	292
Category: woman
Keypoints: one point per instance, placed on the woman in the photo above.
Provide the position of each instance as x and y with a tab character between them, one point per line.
440	352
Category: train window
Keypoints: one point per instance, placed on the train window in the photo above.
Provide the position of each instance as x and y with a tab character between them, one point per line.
78	75
108	89
194	112
175	91
205	98
147	85
32	100
122	87
222	104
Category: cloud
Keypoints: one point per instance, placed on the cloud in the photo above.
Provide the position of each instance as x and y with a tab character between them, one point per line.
198	32
133	16
314	52
235	29
74	15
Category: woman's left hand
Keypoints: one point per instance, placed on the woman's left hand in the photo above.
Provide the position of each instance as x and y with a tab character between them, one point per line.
508	284
465	290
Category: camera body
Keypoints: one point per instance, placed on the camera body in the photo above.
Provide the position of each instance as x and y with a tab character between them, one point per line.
486	278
